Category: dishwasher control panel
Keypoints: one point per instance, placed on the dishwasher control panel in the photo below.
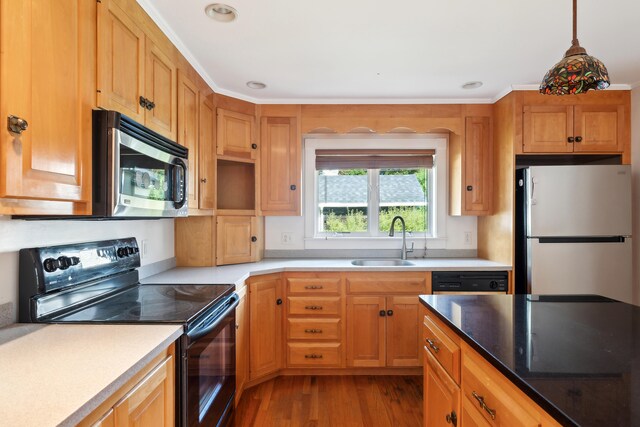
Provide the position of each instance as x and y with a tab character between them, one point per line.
469	281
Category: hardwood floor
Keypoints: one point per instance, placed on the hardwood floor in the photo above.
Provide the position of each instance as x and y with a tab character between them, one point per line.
333	401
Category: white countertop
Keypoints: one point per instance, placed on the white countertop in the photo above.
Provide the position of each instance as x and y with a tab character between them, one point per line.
56	375
238	273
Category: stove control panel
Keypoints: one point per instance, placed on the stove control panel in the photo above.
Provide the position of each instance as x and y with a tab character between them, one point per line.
54	267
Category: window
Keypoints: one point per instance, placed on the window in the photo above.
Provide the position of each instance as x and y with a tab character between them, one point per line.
359	186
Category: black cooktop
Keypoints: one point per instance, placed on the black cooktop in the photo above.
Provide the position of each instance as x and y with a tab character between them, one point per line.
151	303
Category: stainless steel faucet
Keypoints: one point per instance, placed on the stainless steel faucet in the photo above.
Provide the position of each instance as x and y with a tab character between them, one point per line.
404	251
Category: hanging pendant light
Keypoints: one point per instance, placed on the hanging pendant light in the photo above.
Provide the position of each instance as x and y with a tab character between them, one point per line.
577	72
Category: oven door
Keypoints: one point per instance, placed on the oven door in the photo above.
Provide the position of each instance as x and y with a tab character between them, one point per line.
147	180
209	370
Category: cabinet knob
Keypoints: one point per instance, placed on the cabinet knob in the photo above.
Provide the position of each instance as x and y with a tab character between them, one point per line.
570	139
389	312
452	418
203	180
254	239
143	102
16	124
279	301
383	313
578	139
293	187
469	187
254	146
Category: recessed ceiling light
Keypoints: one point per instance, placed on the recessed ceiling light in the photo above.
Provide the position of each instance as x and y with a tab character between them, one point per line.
256	85
471	85
221	12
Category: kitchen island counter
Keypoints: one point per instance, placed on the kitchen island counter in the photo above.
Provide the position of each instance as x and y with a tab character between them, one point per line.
577	357
56	375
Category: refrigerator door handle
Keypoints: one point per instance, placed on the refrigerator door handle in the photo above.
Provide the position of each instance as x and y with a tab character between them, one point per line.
582	239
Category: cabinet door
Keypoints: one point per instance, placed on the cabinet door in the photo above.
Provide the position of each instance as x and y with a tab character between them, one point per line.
121	61
242	344
403	331
47	79
188	132
237	241
108	420
236	135
441	395
598	128
478	166
161	89
207	154
546	129
366	331
151	402
280	165
265	336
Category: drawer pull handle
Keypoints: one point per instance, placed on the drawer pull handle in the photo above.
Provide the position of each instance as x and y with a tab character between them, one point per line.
313	307
314	287
313	356
313	331
480	399
433	345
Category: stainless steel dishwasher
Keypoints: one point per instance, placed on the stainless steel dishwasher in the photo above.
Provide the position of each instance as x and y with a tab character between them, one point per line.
469	282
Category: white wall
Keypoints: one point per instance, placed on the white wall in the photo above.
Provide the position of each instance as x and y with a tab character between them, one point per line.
635	167
17	234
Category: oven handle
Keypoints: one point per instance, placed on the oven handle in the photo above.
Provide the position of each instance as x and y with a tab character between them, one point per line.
204	328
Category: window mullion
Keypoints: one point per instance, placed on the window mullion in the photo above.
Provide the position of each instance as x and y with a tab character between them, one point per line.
374	201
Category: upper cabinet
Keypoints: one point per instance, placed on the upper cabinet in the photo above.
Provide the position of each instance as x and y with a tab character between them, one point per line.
236	135
135	77
280	142
47	70
207	154
471	168
580	128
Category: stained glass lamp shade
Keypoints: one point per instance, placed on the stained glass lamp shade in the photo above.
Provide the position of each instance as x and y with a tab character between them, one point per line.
577	72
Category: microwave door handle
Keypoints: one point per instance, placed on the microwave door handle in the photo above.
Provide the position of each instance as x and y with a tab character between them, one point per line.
179	184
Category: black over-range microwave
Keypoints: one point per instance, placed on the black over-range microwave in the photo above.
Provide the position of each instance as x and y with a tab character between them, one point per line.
136	171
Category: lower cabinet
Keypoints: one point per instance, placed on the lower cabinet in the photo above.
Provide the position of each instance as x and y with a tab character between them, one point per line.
147	400
442	393
265	319
242	343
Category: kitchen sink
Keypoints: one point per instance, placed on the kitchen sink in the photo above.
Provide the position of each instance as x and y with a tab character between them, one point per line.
380	262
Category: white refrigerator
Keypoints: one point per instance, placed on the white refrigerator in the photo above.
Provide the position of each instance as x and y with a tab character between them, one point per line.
573	230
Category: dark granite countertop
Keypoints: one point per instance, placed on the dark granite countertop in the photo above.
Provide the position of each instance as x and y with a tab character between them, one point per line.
578	356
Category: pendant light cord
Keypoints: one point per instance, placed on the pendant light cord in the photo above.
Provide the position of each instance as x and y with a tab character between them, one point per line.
574	42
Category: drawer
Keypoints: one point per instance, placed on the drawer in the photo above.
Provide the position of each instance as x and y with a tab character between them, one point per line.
313	285
315	306
386	283
314	354
313	329
471	417
443	348
493	398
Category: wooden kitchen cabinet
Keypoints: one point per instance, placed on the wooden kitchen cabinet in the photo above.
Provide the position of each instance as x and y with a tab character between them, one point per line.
47	70
152	402
266	316
135	77
242	343
196	125
239	239
471	169
146	400
589	128
280	146
236	135
383	331
442	394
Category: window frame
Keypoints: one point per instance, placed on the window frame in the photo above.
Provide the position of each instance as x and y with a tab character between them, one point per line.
314	239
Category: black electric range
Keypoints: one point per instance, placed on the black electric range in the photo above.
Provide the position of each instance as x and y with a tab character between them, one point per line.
98	282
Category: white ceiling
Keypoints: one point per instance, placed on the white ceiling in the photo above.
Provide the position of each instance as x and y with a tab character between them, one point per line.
398	51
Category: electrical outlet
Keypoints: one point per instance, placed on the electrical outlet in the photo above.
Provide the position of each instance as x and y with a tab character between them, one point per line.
467	238
286	238
144	249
